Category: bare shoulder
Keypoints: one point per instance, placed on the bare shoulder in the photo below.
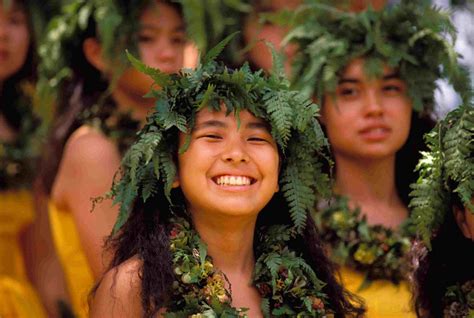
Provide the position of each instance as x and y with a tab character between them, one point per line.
90	159
89	144
119	292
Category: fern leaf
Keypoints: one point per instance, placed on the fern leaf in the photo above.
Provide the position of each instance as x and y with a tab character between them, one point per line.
160	78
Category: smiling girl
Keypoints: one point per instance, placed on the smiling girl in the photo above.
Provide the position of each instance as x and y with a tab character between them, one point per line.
215	197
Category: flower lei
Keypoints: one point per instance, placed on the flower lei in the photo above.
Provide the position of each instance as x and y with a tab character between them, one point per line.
459	300
287	284
379	252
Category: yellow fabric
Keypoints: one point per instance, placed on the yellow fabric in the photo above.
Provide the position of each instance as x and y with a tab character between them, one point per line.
78	274
17	298
382	298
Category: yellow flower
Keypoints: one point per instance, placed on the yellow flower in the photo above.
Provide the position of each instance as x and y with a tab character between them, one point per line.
338	218
215	287
364	254
186	278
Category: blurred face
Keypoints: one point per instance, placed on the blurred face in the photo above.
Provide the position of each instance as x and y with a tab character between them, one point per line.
255	33
228	170
161	43
14	39
367	118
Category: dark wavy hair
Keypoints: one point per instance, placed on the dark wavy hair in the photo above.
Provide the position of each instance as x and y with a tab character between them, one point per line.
11	91
408	156
145	235
444	265
86	88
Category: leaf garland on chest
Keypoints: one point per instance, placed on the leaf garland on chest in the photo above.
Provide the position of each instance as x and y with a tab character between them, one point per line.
118	126
377	251
458	300
287	284
18	158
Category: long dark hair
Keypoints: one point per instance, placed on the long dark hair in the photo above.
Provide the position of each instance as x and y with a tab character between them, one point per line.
444	265
86	88
11	91
408	156
145	236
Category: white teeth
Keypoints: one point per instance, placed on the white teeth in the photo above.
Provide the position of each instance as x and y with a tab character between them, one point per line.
233	180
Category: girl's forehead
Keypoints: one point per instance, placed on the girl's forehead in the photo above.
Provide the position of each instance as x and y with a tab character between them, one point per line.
357	69
221	114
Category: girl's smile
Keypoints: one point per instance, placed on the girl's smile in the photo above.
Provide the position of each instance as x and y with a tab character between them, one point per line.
228	169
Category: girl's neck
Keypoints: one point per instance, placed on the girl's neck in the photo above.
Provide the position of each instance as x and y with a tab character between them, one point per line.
138	106
229	242
371	186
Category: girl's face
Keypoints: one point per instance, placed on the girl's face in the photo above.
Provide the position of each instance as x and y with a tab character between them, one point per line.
161	42
256	34
14	39
228	170
367	118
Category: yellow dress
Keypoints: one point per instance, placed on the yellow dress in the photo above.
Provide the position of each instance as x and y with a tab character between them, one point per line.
382	297
78	274
17	297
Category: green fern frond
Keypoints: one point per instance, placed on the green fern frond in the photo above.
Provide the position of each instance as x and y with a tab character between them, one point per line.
215	51
281	114
160	78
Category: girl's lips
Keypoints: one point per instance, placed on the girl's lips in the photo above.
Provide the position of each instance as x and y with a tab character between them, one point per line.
375	133
233	180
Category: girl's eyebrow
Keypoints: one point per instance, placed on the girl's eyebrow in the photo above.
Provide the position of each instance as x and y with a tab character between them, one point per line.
212	123
350	80
152	27
258	125
390	76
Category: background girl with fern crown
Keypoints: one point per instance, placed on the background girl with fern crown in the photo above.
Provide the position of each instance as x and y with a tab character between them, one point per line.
374	73
214	203
100	106
443	211
24	253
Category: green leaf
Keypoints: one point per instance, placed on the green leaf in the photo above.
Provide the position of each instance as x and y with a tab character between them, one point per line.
216	50
160	78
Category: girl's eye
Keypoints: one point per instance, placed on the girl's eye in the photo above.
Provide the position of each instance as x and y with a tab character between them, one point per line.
178	39
211	136
144	38
347	91
392	89
258	139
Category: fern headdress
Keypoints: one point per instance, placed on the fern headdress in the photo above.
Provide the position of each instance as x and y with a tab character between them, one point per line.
149	167
412	37
446	170
115	22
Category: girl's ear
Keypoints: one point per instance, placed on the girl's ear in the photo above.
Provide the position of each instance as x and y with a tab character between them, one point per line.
465	221
93	52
